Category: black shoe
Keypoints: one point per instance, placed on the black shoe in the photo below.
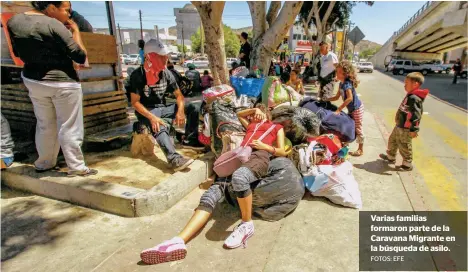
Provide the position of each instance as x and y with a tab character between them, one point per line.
55	168
193	145
405	168
386	158
181	163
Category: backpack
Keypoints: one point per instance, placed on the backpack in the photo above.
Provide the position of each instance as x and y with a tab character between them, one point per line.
185	85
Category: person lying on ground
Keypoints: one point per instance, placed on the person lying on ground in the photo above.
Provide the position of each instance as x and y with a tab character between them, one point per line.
407	120
346	74
257	121
148	87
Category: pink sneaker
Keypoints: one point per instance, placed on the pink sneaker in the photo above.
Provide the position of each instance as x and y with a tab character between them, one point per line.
168	251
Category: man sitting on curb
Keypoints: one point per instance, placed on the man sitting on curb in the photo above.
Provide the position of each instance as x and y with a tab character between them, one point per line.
148	87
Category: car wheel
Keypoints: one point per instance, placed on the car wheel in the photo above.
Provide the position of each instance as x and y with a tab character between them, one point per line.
401	72
424	72
463	75
448	70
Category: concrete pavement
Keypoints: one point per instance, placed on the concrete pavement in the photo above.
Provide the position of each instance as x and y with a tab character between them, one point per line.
40	234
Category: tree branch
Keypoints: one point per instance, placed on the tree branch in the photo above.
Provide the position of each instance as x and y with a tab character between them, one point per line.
257	11
273	12
282	24
328	12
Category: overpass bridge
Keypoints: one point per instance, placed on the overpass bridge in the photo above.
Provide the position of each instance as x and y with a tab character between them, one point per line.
436	28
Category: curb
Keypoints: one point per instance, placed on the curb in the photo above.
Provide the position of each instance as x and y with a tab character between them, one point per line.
109	197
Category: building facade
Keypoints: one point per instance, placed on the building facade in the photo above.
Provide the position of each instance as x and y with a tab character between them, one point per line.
188	22
299	42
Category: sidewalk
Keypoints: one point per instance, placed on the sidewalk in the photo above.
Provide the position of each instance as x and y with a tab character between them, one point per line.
39	234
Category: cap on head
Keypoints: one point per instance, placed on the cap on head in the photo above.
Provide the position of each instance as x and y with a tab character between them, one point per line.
191	66
155	46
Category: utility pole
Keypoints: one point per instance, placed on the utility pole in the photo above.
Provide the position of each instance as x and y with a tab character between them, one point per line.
202	44
141	27
183	41
120	38
157	33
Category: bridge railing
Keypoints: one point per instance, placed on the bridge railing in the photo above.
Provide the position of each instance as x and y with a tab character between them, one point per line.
413	18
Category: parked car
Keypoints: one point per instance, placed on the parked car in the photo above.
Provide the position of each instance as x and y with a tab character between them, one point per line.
133	59
229	61
200	62
365	67
400	67
123	57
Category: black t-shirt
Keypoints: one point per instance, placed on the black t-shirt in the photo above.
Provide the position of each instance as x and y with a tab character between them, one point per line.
152	96
45	46
457	67
245	48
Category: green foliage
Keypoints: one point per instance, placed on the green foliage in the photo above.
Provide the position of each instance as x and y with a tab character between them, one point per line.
231	42
364	54
341	11
179	47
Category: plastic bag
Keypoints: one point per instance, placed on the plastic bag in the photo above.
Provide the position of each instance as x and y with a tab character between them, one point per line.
339	186
251	87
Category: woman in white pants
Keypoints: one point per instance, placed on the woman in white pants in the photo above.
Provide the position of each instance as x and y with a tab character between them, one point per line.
48	42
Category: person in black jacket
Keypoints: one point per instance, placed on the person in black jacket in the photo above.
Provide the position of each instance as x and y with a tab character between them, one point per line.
407	119
457	69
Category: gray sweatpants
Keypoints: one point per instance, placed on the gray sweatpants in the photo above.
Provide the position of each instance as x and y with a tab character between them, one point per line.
7	143
58	107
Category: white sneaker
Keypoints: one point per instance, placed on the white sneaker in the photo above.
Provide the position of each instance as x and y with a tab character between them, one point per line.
240	235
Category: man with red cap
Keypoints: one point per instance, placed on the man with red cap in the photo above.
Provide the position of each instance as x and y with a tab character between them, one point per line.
149	86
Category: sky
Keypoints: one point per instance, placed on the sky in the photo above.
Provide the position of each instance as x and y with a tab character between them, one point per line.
377	22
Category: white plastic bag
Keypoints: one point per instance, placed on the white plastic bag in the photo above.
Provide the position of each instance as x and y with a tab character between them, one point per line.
341	187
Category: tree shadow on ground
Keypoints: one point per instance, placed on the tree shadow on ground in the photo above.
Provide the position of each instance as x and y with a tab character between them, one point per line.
379	167
32	222
224	216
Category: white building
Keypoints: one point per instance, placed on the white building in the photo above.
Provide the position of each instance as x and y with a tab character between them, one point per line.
188	22
298	41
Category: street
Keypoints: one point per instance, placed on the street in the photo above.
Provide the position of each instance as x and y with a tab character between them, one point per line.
40	234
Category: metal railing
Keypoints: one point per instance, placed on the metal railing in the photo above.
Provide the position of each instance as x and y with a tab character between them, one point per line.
412	19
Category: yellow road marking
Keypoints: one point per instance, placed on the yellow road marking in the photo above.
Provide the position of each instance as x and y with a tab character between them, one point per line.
440	182
462	119
450	138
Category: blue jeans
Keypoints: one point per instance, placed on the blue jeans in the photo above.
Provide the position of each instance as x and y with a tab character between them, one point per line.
167	113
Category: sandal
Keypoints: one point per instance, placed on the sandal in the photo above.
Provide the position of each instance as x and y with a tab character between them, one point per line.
356	153
88	172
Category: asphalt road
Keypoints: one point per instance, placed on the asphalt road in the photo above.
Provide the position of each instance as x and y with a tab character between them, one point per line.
440	86
440	152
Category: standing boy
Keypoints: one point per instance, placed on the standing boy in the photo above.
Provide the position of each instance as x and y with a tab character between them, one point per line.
407	121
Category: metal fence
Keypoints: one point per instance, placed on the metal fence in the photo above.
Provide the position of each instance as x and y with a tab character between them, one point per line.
413	18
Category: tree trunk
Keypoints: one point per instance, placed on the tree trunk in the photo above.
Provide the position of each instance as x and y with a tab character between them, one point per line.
210	15
273	12
266	44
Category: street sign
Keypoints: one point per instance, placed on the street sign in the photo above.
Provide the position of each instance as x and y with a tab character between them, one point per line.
355	36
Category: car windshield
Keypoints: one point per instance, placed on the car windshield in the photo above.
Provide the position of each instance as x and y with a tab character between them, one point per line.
366	63
134	56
